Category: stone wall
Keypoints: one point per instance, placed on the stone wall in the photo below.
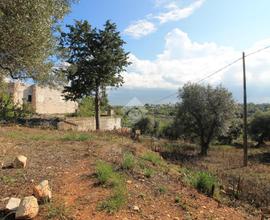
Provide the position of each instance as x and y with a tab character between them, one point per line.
89	124
44	100
51	101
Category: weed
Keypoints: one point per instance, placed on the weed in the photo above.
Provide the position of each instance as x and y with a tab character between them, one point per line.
162	189
205	183
128	162
7	180
106	175
104	172
148	172
177	200
115	202
58	211
154	158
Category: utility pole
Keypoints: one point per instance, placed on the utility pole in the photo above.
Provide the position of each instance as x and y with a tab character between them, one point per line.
245	142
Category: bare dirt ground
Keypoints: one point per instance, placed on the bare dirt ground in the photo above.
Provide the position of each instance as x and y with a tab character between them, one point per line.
68	161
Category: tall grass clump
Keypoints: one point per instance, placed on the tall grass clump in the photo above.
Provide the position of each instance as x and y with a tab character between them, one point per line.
152	157
110	178
128	162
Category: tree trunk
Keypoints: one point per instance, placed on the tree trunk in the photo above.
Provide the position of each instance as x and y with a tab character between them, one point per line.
204	148
97	109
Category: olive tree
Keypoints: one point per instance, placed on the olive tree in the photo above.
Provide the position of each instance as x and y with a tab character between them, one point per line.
204	112
259	127
27	39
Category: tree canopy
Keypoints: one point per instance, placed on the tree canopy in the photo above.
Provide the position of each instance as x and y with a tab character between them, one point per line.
204	112
27	37
96	59
259	127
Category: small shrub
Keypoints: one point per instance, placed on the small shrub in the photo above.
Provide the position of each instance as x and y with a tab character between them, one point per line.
8	180
104	172
177	200
161	190
205	183
148	172
115	202
58	211
152	157
128	161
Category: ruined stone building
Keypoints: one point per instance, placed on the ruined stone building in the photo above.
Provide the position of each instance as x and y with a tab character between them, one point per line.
44	100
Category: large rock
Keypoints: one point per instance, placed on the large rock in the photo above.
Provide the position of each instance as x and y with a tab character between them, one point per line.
20	162
28	208
13	204
43	191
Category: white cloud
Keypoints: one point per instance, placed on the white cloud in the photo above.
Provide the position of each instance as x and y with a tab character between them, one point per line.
184	60
176	13
171	11
140	28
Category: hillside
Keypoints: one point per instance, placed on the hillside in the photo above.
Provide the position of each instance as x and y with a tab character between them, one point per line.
141	185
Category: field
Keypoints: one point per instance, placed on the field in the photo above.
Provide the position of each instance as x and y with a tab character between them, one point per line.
108	176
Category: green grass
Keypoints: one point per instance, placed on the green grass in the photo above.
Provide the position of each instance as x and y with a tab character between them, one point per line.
128	162
114	202
203	181
152	157
161	190
58	211
108	177
45	135
148	172
7	180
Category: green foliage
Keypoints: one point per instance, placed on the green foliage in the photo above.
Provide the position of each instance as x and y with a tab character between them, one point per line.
86	107
9	111
107	176
114	202
259	127
27	39
97	60
205	183
147	125
58	210
148	172
202	181
204	113
234	131
154	158
129	161
104	172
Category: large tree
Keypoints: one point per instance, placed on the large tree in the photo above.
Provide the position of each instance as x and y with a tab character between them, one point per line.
204	112
27	37
96	59
259	127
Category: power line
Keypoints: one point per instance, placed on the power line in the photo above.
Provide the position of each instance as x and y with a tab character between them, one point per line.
218	71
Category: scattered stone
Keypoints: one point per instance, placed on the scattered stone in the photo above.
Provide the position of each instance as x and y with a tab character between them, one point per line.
20	162
129	182
136	208
28	208
13	204
43	191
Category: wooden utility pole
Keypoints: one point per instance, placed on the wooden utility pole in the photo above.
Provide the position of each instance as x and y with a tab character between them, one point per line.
245	142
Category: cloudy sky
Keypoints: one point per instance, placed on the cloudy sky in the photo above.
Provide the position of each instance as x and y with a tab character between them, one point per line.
172	42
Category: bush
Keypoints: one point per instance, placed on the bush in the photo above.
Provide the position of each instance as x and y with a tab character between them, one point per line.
205	183
104	172
148	172
128	162
106	175
152	157
259	127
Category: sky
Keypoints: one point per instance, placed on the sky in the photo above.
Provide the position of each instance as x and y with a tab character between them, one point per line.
173	42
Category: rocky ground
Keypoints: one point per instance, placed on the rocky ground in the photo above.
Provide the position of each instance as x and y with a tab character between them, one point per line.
68	161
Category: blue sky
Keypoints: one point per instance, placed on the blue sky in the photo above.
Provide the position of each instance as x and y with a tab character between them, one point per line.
175	41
